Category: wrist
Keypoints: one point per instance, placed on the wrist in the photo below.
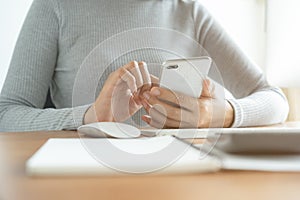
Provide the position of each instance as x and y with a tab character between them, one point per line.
90	115
229	115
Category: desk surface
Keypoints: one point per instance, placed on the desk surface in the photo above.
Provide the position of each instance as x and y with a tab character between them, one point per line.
16	148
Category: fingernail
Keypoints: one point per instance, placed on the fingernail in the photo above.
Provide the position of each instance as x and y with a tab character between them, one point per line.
146	118
155	92
146	95
143	63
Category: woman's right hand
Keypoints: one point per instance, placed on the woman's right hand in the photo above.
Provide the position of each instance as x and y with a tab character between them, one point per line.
119	97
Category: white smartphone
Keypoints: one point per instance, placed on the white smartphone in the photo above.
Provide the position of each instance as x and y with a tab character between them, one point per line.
185	75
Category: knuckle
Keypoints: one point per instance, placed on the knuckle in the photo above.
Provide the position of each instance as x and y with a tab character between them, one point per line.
205	109
121	71
181	99
176	113
132	80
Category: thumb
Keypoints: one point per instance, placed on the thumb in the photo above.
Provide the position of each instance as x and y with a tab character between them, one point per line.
208	89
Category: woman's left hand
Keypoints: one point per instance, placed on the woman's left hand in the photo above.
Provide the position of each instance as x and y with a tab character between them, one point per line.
167	109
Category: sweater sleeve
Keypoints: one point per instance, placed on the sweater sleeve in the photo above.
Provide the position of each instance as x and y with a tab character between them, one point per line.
30	73
255	102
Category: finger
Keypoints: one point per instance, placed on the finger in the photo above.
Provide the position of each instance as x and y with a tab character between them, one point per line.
145	74
155	123
152	122
134	105
154	81
129	79
135	100
172	113
146	105
159	115
146	77
174	99
156	120
133	68
146	118
208	89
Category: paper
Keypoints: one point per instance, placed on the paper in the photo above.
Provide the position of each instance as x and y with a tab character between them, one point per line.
279	163
94	156
259	162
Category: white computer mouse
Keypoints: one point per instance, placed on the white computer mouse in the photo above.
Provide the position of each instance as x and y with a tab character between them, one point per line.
109	129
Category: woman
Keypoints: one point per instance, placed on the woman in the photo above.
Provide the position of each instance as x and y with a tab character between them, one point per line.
58	35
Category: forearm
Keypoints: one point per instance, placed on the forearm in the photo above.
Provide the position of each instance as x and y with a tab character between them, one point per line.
260	108
15	118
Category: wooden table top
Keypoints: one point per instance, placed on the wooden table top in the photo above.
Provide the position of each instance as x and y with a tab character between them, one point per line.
16	148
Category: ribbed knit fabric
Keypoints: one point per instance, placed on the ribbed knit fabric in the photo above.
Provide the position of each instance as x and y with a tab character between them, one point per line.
58	35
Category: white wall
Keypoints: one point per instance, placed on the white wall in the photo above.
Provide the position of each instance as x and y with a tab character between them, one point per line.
283	42
12	14
243	19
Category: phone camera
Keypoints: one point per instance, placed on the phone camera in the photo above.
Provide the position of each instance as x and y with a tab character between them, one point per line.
172	67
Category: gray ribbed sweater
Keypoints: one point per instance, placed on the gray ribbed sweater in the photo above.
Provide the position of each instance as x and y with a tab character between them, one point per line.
57	35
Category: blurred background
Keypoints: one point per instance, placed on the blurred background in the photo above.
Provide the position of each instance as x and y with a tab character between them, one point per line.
267	30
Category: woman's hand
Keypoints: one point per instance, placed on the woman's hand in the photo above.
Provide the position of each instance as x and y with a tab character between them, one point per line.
168	109
119	97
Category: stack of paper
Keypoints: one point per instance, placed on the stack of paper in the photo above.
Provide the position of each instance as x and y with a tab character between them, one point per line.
112	156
